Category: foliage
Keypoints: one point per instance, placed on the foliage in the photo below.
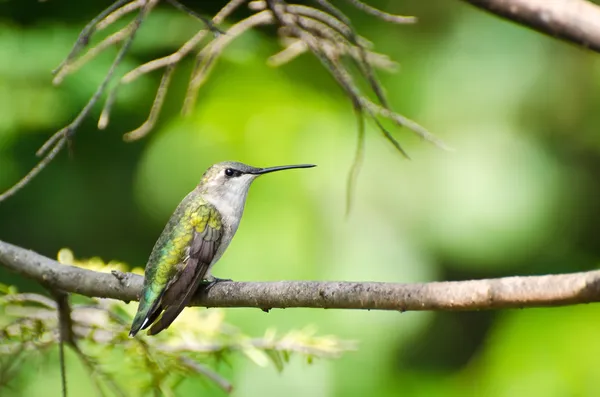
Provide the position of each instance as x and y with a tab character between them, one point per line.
200	338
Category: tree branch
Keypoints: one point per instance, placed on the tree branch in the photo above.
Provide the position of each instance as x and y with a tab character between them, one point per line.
509	292
575	21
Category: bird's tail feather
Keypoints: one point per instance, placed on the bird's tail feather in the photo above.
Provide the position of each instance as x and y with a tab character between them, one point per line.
172	311
146	314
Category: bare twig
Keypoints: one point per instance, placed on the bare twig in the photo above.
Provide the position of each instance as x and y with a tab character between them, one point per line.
9	366
294	49
203	370
207	22
168	62
88	30
69	130
384	16
96	374
119	13
575	21
161	92
209	54
337	41
501	293
111	40
358	158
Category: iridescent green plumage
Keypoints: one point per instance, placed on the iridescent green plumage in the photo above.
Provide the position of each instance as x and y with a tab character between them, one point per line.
179	260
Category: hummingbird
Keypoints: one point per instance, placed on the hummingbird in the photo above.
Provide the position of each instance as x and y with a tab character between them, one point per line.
194	239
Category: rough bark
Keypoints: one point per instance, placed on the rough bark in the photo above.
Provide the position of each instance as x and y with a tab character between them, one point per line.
575	21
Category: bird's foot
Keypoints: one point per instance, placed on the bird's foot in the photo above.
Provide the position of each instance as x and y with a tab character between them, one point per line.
210	282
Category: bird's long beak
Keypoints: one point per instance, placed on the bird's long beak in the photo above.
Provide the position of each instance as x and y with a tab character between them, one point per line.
261	171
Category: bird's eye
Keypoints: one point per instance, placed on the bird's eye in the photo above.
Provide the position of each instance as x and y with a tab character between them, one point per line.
229	172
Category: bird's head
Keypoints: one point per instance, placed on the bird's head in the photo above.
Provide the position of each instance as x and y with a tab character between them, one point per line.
230	177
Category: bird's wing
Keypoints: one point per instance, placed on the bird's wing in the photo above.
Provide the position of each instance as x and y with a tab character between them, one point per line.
203	247
179	261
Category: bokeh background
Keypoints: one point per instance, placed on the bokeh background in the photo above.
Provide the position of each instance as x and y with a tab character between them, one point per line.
518	196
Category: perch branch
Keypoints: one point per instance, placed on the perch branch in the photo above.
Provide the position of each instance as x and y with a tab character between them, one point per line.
575	21
509	292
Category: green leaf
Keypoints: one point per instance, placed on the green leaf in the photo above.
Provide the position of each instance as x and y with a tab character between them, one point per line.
277	359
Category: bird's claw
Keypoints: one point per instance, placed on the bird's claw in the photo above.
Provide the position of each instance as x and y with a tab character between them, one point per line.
211	281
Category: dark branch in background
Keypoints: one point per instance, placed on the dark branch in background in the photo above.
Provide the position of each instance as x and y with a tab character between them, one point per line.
65	331
509	292
575	21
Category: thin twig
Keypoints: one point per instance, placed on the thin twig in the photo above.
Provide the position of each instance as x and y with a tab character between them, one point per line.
119	13
165	62
12	364
358	158
118	59
406	122
340	44
84	37
202	67
210	53
207	372
229	8
384	16
368	71
339	25
109	41
96	374
70	129
342	24
363	64
207	22
161	92
345	80
293	50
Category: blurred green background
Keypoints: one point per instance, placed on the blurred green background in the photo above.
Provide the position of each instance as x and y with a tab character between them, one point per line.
518	196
